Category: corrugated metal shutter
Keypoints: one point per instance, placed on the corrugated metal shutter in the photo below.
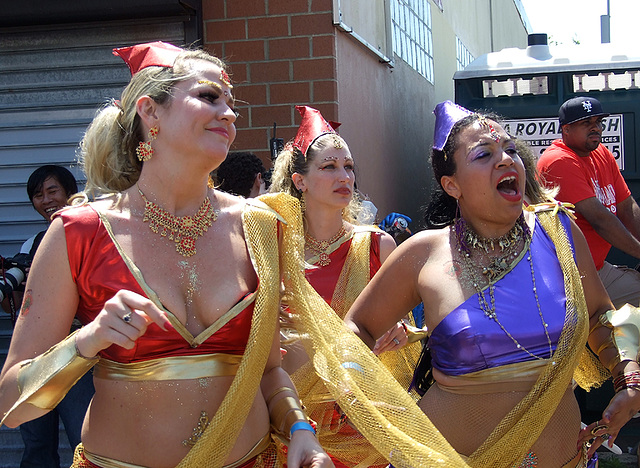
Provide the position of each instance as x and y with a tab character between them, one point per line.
52	80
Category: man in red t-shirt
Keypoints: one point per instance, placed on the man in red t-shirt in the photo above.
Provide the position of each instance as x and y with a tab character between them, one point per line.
588	177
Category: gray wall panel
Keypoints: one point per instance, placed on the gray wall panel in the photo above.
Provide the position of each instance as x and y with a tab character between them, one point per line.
52	81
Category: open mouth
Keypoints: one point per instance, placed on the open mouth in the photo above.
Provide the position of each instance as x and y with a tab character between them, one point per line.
509	186
51	210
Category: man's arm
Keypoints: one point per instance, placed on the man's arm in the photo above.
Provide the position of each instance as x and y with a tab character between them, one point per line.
611	227
629	214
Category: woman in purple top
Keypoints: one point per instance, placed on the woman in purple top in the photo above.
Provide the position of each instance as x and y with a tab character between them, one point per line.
503	295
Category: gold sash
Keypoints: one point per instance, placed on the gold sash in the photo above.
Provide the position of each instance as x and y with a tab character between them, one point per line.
170	368
388	417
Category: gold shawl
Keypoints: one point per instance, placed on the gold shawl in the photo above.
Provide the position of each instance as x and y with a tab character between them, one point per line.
346	444
378	406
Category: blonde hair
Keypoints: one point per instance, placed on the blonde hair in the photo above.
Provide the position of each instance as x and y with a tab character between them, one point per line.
291	160
107	151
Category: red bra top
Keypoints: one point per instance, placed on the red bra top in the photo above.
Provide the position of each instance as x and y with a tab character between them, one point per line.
100	271
324	279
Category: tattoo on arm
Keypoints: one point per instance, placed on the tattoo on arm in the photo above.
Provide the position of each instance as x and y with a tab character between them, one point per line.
27	300
452	269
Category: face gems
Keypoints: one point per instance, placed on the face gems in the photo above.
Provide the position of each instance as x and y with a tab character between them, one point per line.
337	143
484	123
224	77
215	85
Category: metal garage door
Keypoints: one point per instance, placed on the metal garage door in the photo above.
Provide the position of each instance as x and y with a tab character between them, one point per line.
52	80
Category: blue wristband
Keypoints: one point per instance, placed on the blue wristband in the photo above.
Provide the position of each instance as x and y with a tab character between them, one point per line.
301	426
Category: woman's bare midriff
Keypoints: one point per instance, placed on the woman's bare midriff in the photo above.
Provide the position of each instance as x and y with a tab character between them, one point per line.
466	420
145	423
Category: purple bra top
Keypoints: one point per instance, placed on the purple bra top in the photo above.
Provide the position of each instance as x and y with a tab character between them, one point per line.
468	341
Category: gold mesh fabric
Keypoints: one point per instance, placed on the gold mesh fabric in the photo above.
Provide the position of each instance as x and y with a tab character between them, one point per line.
220	436
353	278
522	426
338	438
388	417
364	388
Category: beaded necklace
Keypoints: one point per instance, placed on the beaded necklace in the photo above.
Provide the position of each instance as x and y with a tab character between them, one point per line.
183	230
320	248
508	245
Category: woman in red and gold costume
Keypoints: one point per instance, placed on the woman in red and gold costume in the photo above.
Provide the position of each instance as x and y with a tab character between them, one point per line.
341	257
177	285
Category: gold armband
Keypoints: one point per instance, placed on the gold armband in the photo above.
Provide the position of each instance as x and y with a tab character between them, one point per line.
286	412
414	334
45	380
610	344
626	331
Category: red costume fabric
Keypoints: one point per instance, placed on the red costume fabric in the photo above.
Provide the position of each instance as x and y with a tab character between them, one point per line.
137	57
312	127
580	178
324	279
99	271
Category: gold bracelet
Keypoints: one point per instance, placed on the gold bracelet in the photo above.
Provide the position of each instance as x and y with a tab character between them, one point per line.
45	380
278	391
286	412
601	322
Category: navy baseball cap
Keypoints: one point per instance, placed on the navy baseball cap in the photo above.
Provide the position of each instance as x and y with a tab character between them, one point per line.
579	108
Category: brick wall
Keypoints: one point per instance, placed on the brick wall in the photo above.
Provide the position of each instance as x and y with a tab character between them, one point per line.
281	53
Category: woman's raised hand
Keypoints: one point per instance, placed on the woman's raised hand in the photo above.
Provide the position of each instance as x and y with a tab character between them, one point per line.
123	319
392	340
623	406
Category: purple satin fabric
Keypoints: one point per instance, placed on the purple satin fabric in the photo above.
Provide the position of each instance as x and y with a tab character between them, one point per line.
447	115
467	341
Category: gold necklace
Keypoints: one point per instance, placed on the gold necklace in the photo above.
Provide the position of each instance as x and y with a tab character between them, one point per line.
493	271
183	230
320	248
505	242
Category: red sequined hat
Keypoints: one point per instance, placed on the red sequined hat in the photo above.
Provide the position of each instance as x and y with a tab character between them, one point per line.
140	56
312	127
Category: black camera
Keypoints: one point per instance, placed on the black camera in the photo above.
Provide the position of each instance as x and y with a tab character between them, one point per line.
14	273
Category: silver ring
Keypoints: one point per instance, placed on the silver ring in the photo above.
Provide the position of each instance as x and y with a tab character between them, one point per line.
127	317
605	436
396	341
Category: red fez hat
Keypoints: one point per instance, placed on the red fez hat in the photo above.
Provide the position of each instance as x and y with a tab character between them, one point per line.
312	127
137	57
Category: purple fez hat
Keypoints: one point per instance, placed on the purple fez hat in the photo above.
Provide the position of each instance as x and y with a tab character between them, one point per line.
447	115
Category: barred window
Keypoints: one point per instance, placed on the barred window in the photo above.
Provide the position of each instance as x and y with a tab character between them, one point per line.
412	37
463	56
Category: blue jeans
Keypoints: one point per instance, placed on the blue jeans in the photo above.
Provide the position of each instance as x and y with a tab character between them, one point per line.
40	436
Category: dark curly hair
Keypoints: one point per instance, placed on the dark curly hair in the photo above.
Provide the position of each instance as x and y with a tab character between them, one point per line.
238	172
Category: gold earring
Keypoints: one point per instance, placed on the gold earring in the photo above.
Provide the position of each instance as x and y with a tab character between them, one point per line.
303	204
144	151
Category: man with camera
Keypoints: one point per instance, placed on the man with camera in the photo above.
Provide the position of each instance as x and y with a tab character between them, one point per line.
49	187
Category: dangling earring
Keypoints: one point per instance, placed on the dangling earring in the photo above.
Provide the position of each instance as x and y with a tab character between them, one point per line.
459	228
303	204
144	151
